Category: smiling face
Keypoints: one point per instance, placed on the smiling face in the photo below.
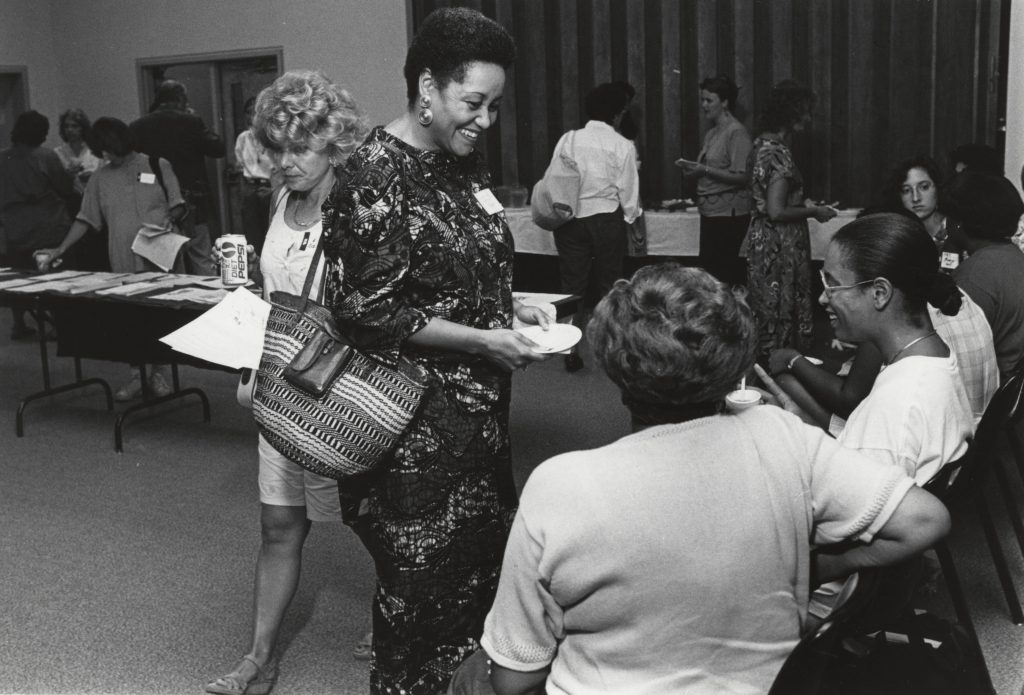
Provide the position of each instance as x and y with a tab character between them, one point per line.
711	104
848	304
464	110
919	193
302	169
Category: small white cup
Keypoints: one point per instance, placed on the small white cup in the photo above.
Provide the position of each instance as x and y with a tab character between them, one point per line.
741	399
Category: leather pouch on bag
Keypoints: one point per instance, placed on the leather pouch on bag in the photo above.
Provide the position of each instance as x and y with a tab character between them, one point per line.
318	364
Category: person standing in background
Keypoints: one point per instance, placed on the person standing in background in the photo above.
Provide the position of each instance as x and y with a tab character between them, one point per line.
779	242
257	171
80	163
593	244
988	208
34	194
723	193
173	132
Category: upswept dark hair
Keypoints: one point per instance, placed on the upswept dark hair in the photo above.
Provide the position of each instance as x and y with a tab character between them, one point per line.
606	101
787	103
449	40
895	247
73	116
891	193
673	336
30	128
724	87
986	205
110	135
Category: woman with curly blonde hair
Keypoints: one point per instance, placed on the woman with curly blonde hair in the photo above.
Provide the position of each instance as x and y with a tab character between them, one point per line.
309	126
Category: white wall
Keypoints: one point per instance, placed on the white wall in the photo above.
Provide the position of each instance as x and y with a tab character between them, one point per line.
1014	157
84	55
26	38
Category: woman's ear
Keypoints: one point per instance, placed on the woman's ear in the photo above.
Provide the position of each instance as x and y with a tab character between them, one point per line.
881	293
426	83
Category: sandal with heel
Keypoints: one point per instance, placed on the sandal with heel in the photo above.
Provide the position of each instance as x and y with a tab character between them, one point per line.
364	648
261	683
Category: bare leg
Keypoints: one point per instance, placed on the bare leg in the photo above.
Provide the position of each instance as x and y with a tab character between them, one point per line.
284	531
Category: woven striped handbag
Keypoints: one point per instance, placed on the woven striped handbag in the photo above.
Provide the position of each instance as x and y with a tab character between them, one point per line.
320	401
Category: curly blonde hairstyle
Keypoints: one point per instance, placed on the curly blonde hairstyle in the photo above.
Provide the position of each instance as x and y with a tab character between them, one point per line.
303	110
673	336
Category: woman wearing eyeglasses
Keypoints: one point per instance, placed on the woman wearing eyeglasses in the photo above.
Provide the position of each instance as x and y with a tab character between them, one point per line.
880	274
825	398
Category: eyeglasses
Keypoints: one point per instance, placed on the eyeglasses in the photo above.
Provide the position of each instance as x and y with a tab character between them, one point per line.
829	289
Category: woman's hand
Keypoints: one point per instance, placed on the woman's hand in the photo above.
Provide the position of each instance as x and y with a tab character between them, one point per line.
823	213
250	255
510	349
534	315
690	167
52	256
775	394
779	360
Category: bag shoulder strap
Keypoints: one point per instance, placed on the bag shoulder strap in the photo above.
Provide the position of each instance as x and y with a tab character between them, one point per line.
154	165
307	285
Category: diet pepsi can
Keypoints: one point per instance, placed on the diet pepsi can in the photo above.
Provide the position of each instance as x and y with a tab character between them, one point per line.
234	269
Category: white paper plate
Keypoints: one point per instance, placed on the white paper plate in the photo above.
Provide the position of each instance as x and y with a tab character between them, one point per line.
558	338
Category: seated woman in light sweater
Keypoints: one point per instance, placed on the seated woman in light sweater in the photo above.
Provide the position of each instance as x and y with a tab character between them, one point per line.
677	559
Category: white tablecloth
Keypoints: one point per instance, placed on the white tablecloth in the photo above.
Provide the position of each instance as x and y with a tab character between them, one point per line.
668	233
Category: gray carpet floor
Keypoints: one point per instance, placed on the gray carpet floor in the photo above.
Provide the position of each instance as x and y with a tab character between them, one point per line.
131	573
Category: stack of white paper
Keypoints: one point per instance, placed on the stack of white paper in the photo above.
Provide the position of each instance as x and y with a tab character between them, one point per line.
158	245
229	334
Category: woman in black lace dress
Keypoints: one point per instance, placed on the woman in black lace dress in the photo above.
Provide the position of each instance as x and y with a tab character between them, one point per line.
420	264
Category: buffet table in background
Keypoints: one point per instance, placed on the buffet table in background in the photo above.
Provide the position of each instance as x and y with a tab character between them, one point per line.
668	233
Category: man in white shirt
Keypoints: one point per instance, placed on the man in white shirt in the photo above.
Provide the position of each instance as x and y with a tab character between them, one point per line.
592	246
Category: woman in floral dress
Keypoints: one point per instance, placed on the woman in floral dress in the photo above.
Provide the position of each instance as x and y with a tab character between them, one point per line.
420	264
778	242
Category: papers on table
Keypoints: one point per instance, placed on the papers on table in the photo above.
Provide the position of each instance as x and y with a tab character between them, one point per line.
196	295
95	282
229	334
158	245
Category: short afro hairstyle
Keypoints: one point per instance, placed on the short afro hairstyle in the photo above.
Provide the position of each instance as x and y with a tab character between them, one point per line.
449	40
30	128
673	336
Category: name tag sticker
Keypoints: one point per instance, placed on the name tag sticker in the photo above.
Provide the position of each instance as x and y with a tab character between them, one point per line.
488	202
950	260
147	178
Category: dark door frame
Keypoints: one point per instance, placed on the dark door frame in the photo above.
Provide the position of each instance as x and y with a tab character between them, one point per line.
147	93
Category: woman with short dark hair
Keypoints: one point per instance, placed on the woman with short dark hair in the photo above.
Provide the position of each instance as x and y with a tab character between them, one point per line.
779	244
678	559
34	193
723	193
420	265
123	196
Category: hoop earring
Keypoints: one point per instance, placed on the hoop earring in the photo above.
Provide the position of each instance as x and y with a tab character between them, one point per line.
425	116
